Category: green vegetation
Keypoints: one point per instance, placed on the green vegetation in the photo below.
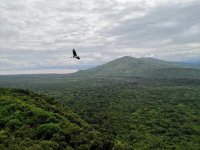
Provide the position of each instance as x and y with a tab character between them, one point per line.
32	121
137	113
158	110
143	117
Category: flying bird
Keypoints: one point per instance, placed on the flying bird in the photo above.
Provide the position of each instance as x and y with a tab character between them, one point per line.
75	55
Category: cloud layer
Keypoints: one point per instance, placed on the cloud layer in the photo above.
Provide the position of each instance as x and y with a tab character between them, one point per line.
39	33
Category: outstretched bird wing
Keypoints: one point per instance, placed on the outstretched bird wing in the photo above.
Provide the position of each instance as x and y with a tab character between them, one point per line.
74	52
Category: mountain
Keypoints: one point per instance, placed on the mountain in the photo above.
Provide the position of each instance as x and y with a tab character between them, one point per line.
32	121
142	67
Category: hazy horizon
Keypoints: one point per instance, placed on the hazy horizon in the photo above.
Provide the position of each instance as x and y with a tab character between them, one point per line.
41	71
63	70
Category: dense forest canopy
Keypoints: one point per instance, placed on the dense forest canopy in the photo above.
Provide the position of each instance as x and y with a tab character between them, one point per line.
32	121
136	113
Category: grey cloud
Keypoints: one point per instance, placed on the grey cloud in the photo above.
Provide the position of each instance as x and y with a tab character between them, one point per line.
166	22
48	30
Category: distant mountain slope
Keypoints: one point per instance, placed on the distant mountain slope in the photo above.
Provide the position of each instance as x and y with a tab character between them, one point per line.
31	121
142	67
176	73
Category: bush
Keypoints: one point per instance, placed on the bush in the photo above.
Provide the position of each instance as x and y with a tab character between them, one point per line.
3	136
46	131
120	146
13	124
49	145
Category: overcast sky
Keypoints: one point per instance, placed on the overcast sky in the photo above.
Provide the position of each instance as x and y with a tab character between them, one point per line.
39	34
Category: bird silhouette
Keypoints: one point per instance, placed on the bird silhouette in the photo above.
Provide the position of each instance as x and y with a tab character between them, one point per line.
75	55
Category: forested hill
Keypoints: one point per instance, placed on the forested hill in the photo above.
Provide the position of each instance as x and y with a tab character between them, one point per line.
142	67
32	121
